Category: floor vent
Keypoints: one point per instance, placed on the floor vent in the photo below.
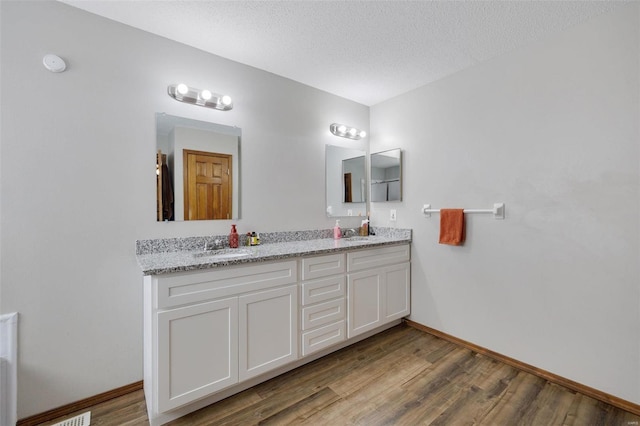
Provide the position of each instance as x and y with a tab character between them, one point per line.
81	420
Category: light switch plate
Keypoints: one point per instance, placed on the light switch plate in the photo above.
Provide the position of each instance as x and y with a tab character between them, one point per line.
392	215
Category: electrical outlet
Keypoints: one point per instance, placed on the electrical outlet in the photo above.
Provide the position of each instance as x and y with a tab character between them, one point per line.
392	216
349	212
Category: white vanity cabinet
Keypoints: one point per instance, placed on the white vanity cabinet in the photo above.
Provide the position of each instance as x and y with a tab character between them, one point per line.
208	330
211	333
379	287
322	302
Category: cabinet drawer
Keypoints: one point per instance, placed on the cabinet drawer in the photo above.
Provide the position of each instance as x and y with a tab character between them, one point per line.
323	313
373	258
322	266
192	287
323	289
323	337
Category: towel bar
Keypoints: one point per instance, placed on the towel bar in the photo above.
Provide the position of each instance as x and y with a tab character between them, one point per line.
497	210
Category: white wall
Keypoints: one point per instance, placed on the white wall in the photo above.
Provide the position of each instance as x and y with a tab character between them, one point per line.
78	182
552	131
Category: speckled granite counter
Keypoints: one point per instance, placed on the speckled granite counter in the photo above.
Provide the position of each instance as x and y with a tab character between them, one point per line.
163	256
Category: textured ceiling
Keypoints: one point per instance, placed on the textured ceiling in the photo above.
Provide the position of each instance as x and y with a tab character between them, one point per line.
366	51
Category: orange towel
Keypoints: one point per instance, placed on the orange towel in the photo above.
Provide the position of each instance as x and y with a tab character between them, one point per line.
452	226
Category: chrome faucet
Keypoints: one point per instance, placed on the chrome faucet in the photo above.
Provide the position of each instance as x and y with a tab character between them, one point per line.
347	233
217	244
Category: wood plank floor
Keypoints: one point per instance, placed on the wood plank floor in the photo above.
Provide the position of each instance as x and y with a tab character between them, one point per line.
402	376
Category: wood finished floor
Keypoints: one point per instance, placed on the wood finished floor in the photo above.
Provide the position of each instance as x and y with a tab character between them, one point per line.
402	376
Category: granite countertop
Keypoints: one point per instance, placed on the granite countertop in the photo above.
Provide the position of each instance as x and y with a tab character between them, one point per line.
165	256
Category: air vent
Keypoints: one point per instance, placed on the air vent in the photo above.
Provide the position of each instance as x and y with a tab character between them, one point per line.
81	420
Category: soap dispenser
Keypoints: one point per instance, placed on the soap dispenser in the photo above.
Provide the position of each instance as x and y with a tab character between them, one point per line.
233	237
337	233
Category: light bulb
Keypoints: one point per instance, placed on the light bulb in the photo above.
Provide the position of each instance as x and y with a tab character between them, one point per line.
205	94
226	100
182	89
363	133
342	128
353	132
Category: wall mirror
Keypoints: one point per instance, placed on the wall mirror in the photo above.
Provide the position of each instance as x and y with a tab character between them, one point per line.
386	176
197	168
346	181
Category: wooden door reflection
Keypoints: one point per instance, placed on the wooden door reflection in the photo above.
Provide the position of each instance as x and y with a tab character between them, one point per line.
207	185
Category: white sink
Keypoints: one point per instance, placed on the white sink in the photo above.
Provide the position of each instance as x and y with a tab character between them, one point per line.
357	238
224	254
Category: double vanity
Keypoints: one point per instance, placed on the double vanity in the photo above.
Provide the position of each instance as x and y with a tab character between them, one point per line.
219	322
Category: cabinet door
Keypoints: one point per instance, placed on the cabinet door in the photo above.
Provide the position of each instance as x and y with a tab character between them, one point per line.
365	301
197	351
378	296
397	286
268	330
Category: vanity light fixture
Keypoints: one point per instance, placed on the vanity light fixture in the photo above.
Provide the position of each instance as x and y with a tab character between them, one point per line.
202	97
347	132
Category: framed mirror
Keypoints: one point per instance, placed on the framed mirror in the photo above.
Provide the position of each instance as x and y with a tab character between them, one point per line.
197	168
346	181
386	176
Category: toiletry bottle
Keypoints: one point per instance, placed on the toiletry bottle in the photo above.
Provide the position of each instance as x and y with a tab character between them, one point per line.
364	228
337	233
233	237
248	242
254	239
